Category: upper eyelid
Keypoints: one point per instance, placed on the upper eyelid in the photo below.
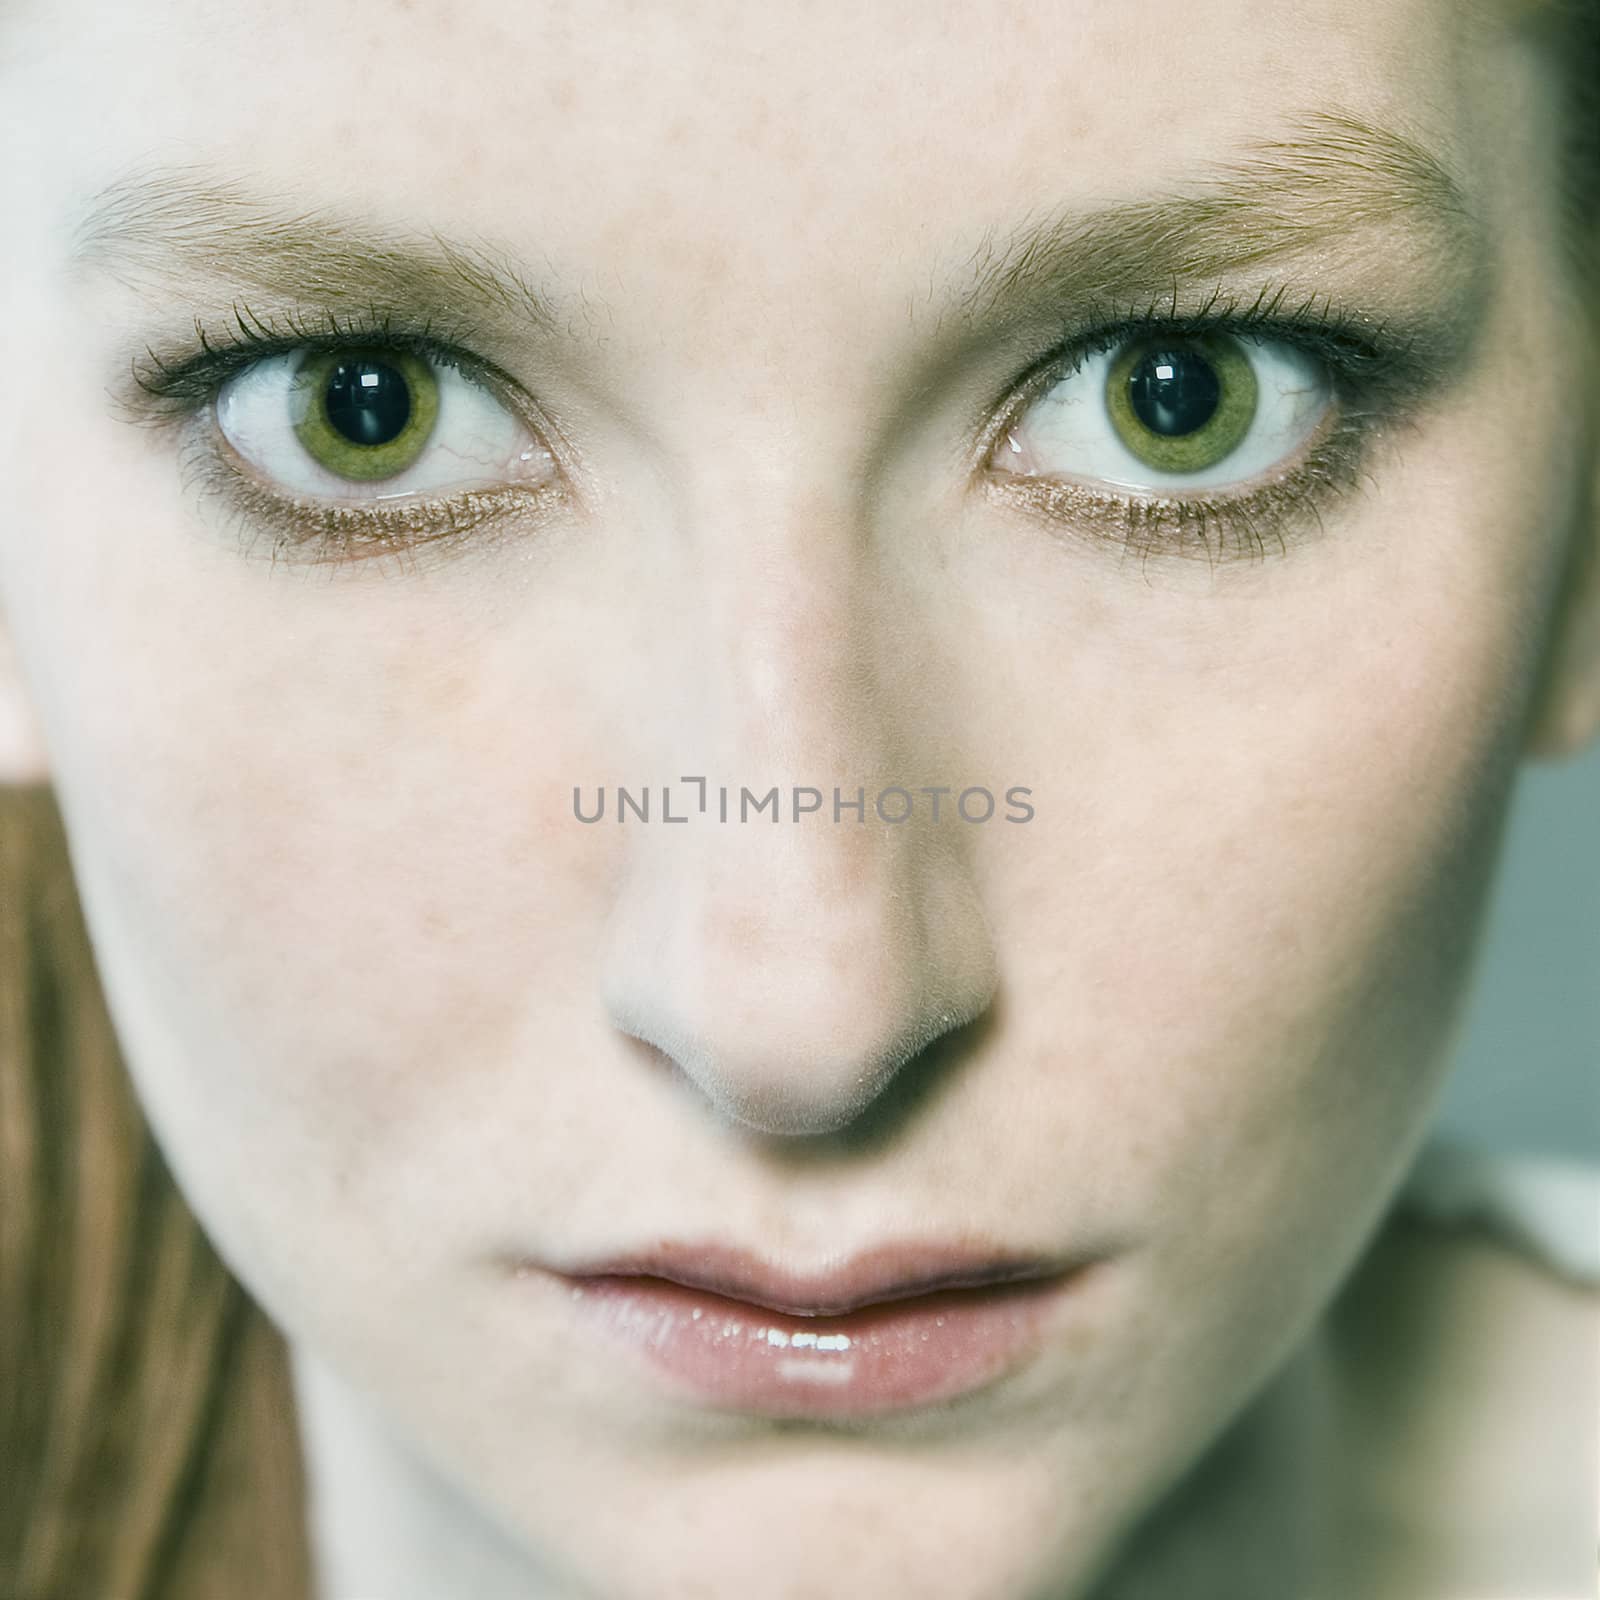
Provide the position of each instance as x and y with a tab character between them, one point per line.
1063	358
169	382
160	371
1344	357
1357	348
1374	365
1377	367
166	386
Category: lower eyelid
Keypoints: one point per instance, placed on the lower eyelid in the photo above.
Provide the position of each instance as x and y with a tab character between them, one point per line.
327	533
1335	419
347	532
1214	529
1274	516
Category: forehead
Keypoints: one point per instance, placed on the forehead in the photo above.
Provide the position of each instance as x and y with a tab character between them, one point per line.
713	126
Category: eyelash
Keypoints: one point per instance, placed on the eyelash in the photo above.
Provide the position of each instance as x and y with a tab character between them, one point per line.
178	389
1373	371
1376	372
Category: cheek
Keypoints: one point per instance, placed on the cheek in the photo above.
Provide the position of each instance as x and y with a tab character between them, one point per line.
342	927
1270	810
323	836
340	865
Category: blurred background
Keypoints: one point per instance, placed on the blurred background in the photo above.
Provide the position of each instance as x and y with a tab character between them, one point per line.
1528	1077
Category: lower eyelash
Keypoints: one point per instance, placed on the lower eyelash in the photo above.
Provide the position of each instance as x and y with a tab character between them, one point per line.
1216	528
1380	373
1257	524
320	533
1369	363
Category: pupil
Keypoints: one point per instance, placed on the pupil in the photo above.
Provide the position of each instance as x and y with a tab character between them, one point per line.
1174	391
367	402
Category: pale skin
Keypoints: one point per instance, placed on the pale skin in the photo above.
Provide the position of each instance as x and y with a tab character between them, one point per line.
390	1007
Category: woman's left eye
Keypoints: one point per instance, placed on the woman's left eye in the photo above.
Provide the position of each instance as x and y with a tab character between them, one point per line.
363	423
1164	412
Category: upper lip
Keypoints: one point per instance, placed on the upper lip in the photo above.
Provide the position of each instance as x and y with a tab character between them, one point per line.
895	1271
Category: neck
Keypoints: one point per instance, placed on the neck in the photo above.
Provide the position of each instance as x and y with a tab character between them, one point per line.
1257	1516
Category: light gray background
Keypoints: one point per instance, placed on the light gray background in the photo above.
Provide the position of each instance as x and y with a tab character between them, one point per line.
1528	1076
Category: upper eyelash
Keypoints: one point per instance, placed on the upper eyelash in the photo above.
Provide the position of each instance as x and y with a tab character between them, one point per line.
169	388
1358	348
180	384
1372	366
1375	368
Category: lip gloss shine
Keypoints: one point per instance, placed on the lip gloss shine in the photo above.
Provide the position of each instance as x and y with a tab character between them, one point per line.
877	1358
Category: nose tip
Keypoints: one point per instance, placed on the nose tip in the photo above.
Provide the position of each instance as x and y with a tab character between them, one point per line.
774	1091
792	1000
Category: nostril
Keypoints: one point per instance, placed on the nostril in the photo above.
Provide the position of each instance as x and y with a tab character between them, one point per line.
782	1108
791	987
774	1082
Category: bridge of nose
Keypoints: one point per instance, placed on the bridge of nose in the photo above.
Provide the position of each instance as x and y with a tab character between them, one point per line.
790	966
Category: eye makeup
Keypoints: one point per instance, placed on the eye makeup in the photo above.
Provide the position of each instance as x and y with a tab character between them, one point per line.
180	389
1378	372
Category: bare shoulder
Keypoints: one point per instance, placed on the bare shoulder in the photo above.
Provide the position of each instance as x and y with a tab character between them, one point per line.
1468	1381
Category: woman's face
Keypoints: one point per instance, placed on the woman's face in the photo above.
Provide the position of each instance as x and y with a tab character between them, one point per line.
760	466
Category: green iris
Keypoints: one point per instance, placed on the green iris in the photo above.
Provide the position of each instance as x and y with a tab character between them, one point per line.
364	413
1181	403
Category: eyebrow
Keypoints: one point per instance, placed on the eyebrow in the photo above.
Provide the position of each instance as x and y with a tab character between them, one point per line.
1334	178
185	225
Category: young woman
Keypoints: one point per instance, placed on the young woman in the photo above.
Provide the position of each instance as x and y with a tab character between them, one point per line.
781	732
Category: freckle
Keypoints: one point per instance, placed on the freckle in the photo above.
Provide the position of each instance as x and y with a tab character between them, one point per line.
450	690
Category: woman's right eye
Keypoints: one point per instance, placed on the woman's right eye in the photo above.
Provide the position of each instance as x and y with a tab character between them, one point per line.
358	424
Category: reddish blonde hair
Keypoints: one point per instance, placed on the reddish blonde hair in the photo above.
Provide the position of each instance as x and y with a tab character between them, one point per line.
147	1434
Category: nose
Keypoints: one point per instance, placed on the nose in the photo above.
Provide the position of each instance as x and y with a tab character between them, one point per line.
791	974
792	969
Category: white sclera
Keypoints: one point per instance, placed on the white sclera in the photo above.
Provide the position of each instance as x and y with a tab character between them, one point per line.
476	443
1068	431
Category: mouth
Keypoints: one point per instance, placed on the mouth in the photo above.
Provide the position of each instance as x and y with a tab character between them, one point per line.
887	1273
901	1325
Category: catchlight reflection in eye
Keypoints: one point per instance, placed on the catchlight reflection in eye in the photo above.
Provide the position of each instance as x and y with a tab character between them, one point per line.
362	423
1163	412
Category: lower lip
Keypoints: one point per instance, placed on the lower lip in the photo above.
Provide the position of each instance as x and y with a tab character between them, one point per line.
878	1359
